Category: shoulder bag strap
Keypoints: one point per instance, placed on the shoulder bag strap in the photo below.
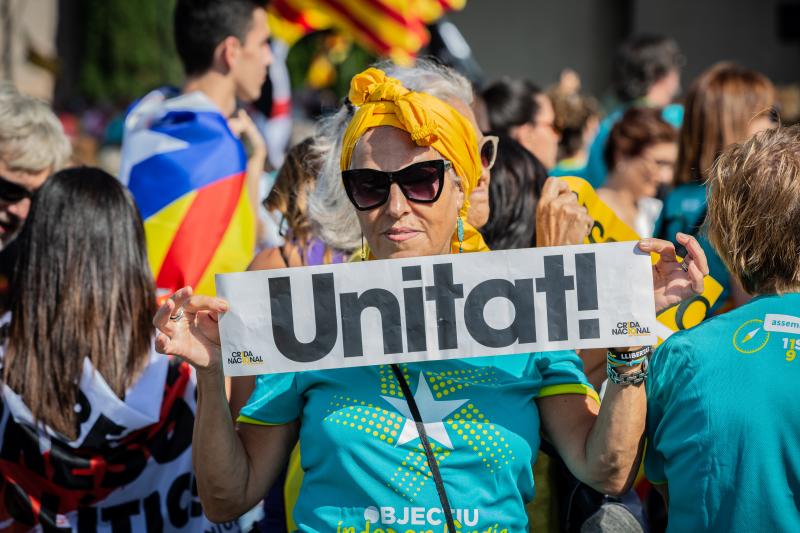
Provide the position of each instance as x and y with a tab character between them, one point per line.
423	437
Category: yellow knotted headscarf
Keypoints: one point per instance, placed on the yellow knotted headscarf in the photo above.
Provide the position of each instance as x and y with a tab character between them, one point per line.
383	101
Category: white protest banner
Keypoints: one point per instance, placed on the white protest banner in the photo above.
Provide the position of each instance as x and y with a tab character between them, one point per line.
436	307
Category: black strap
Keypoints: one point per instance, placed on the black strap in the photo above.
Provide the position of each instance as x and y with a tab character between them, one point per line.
423	437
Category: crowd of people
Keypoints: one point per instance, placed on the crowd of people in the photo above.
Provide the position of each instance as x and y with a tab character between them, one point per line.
116	415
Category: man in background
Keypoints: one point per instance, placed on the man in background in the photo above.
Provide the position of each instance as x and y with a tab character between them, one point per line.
648	73
32	146
183	157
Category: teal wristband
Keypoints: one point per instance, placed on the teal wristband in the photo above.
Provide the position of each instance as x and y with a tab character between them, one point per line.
619	362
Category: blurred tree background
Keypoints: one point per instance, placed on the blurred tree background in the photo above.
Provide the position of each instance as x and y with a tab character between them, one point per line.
118	50
128	49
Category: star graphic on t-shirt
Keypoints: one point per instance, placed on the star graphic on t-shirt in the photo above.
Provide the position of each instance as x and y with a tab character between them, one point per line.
431	411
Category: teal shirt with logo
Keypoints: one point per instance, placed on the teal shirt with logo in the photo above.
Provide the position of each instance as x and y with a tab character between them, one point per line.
364	469
723	420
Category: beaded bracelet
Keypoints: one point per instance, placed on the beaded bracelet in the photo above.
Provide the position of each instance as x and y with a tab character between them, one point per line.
617	359
629	378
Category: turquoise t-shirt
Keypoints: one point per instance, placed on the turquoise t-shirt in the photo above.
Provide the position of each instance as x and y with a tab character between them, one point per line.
361	454
723	425
569	167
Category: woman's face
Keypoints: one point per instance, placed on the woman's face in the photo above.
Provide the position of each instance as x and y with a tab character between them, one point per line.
399	227
643	174
664	156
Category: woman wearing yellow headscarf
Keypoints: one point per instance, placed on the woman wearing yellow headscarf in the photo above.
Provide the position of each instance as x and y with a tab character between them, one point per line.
408	447
434	128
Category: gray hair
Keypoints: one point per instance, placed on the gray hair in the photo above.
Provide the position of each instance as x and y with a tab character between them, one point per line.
331	212
31	136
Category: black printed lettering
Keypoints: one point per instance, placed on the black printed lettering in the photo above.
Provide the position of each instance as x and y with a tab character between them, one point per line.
124	466
65	464
100	432
414	306
48	513
175	435
283	331
21	445
444	292
586	277
178	516
84	408
152	514
119	516
555	286
522	328
196	509
87	520
354	305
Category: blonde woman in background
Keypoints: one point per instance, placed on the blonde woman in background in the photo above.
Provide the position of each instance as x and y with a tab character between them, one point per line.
725	105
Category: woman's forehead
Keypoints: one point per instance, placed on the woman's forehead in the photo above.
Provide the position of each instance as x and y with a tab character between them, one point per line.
389	148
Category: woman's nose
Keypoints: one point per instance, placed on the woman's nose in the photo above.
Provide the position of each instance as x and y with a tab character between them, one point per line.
20	209
397	204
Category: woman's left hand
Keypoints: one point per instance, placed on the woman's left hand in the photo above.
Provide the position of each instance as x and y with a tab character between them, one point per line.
671	283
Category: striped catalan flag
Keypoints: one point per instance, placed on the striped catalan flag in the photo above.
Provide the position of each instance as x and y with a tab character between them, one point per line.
388	28
186	171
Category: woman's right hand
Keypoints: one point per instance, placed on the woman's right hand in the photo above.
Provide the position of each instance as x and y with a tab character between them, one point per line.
560	219
193	337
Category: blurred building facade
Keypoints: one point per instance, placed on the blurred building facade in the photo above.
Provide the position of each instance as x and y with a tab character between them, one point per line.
538	38
28	45
529	38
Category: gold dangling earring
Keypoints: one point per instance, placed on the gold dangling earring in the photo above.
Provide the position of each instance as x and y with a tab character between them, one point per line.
363	249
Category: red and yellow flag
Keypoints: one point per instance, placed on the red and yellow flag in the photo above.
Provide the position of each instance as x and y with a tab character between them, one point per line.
388	28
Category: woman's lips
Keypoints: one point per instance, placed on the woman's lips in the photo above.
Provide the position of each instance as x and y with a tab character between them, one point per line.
400	234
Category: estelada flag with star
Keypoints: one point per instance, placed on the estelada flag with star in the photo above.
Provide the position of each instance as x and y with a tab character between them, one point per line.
387	28
186	170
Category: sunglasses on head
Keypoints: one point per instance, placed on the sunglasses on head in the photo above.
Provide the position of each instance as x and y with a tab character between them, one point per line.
421	182
488	150
11	192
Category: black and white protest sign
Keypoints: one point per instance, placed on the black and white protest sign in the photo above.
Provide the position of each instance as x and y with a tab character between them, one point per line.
437	307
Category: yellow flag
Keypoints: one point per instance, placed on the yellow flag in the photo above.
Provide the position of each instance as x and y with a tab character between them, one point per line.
609	228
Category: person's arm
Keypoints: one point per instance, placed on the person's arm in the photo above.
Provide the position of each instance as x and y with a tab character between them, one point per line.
234	469
594	366
243	127
602	447
241	387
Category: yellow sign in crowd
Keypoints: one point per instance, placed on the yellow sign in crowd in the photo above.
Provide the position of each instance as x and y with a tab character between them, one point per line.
609	228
